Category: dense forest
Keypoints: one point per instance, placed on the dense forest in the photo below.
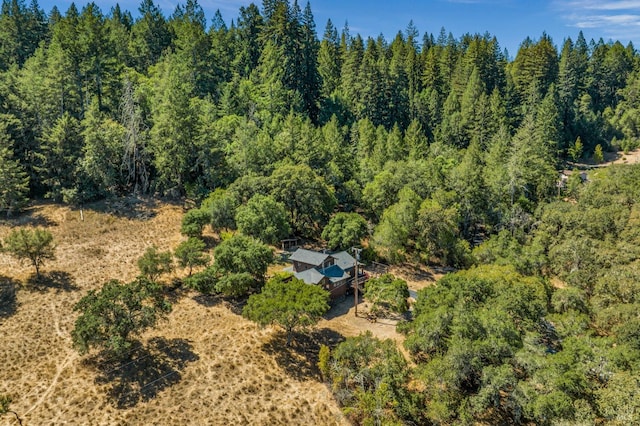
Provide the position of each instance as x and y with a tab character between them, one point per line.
443	150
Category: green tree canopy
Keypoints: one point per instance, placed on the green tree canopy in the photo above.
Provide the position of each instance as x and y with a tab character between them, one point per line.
288	302
191	253
153	263
394	237
370	377
387	293
14	183
221	205
345	230
34	245
194	221
263	218
467	333
241	253
306	196
110	317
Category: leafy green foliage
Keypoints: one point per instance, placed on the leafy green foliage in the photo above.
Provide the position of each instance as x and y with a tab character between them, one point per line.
598	155
35	245
204	281
369	377
345	230
443	142
103	153
235	284
240	254
111	317
306	196
5	404
397	229
439	235
191	253
153	263
288	302
466	333
193	222
263	218
222	207
14	183
618	401
387	293
576	150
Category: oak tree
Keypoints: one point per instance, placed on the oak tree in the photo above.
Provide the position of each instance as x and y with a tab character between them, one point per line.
288	302
112	316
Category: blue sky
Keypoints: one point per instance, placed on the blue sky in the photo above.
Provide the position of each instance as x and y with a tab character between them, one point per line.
509	20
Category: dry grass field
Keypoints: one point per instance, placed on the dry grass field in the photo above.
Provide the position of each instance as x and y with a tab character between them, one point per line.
204	365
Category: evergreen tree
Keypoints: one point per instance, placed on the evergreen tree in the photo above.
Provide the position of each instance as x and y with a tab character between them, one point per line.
118	30
466	181
173	136
250	25
223	49
309	85
14	181
475	110
535	67
22	29
98	66
150	36
192	47
103	151
329	61
59	161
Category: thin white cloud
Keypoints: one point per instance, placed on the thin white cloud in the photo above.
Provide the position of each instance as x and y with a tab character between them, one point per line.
599	21
600	5
616	19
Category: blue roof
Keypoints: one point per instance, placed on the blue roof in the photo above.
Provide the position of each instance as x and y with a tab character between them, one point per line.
335	273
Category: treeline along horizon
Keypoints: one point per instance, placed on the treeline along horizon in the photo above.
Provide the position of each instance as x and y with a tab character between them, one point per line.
434	149
97	104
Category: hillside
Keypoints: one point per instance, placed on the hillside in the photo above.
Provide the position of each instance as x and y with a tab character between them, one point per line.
213	366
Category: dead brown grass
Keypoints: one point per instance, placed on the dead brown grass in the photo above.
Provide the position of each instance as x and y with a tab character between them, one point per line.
218	368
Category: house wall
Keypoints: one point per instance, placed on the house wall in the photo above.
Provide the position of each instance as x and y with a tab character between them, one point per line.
301	266
338	289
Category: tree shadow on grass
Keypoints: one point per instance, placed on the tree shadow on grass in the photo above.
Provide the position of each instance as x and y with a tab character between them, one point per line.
29	217
149	370
129	207
300	360
57	280
8	300
234	304
208	300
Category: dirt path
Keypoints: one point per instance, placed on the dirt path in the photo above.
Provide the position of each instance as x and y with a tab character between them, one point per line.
632	157
61	366
225	370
